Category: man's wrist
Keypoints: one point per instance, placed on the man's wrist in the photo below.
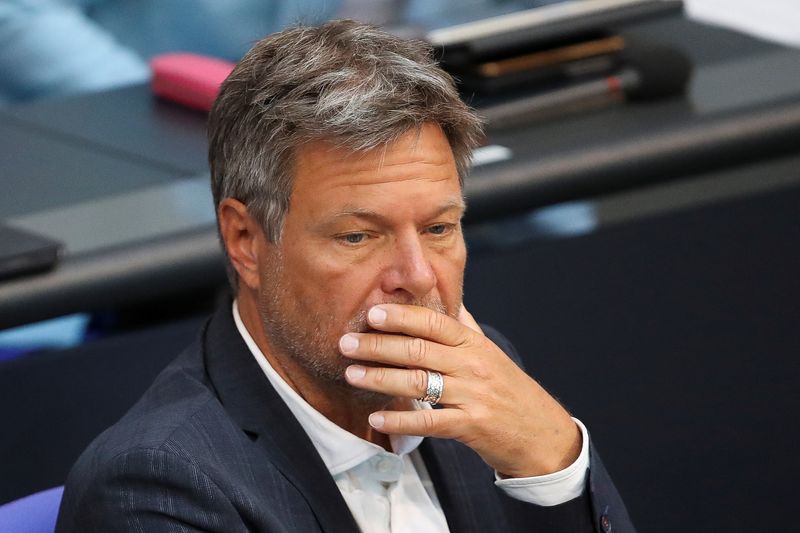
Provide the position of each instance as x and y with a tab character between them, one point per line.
562	449
555	488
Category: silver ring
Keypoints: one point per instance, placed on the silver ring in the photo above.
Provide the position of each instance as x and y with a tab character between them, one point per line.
435	388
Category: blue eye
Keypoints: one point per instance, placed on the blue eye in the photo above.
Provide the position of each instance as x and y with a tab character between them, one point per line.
439	229
354	238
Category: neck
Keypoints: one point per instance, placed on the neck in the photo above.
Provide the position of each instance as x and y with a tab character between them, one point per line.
347	407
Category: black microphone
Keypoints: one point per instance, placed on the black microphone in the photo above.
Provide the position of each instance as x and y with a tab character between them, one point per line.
650	72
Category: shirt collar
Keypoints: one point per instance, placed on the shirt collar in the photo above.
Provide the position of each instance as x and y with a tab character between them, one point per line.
340	450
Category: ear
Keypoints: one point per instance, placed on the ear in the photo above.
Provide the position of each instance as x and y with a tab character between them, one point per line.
243	237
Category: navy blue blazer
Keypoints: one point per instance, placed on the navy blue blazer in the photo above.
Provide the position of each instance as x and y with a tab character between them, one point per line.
212	447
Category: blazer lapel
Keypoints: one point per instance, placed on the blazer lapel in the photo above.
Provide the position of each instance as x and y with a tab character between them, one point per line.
464	485
251	401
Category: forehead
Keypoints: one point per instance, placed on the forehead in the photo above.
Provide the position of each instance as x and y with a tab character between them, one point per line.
418	167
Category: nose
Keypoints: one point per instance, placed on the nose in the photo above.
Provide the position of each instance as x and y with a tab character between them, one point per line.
410	274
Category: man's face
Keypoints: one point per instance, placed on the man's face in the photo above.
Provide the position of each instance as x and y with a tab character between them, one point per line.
362	229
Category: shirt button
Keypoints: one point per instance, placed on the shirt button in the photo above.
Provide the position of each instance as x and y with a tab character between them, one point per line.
384	467
605	523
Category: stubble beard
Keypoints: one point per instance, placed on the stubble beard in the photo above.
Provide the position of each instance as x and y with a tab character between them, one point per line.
311	338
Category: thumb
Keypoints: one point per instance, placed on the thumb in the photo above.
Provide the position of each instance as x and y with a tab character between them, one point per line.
466	318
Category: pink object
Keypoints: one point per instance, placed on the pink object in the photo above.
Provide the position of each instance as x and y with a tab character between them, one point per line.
189	79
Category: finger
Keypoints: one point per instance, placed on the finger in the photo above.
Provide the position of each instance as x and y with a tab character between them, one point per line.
466	318
397	350
416	321
442	423
407	383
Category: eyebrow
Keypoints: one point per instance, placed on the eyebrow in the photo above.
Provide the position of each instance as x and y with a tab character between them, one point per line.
351	211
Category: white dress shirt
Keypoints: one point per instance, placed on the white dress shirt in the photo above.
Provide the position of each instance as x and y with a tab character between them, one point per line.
392	491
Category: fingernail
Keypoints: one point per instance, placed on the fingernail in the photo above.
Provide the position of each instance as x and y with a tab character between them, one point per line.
376	420
356	372
377	315
348	343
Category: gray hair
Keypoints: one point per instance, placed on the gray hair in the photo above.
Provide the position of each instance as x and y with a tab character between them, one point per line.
345	82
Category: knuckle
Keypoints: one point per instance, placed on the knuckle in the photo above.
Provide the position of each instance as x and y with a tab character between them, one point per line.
465	339
379	375
404	316
427	420
418	381
417	350
399	424
375	344
436	323
481	417
481	371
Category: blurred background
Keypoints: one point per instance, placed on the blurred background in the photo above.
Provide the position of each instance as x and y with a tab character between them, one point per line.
633	222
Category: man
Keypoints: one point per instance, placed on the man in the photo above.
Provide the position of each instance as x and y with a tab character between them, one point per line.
337	156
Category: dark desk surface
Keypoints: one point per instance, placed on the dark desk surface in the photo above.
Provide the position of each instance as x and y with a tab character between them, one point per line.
50	172
120	178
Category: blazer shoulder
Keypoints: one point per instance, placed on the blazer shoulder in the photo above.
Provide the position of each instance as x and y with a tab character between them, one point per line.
170	412
162	447
143	489
174	400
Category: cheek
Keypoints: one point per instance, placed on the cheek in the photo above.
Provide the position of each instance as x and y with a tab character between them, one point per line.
330	286
449	267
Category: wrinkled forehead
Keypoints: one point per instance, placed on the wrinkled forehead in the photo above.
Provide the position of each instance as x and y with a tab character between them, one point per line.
415	176
419	153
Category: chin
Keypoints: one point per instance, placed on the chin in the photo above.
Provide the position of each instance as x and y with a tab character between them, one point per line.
375	401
